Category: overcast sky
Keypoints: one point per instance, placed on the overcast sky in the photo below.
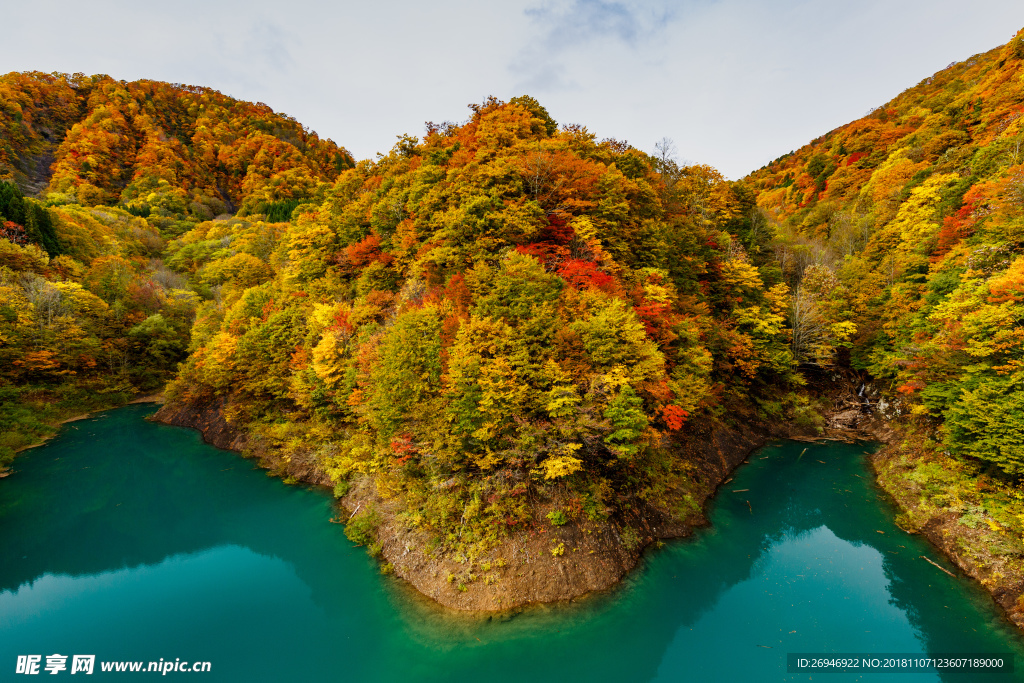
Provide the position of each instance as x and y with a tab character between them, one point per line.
735	83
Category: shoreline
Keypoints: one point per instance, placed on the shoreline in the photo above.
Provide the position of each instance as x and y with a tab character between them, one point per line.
541	564
972	550
149	398
596	560
547	564
944	532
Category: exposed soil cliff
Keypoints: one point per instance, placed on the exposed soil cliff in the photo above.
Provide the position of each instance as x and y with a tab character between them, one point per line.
548	563
208	418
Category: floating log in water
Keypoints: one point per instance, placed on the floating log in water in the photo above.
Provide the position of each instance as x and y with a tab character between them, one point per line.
941	568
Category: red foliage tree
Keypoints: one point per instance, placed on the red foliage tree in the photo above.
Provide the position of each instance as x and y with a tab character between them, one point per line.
674	417
13	232
586	275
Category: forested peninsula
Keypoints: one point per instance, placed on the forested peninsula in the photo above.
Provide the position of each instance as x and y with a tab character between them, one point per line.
516	353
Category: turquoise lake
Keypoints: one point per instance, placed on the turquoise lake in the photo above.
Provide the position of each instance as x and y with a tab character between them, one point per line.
135	541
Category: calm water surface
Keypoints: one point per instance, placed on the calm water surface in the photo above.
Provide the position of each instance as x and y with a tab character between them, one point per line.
136	541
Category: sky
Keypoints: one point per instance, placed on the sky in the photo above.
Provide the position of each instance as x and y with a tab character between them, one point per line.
733	83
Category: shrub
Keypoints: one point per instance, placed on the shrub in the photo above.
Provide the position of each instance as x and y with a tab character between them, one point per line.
630	538
988	423
557	517
362	528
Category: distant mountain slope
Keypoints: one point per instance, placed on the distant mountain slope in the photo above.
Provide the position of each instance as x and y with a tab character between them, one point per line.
966	119
907	227
909	224
168	150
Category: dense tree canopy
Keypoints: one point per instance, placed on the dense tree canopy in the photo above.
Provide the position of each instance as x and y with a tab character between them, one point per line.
167	151
88	322
498	305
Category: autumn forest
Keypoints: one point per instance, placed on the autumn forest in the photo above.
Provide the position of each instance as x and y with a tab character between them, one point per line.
506	323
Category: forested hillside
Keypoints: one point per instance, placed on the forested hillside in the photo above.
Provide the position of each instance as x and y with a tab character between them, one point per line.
175	153
909	223
89	314
499	308
88	325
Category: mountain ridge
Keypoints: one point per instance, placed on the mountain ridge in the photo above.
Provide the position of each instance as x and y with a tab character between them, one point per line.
175	150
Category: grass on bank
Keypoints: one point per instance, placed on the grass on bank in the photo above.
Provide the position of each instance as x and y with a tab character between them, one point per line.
30	414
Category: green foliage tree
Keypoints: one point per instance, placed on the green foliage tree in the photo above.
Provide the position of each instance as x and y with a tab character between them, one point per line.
987	422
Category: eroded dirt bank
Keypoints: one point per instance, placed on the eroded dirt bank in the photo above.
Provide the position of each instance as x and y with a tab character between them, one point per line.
545	563
208	419
548	563
978	550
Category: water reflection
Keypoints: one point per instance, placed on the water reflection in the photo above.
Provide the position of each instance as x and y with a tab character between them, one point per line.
807	559
137	540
